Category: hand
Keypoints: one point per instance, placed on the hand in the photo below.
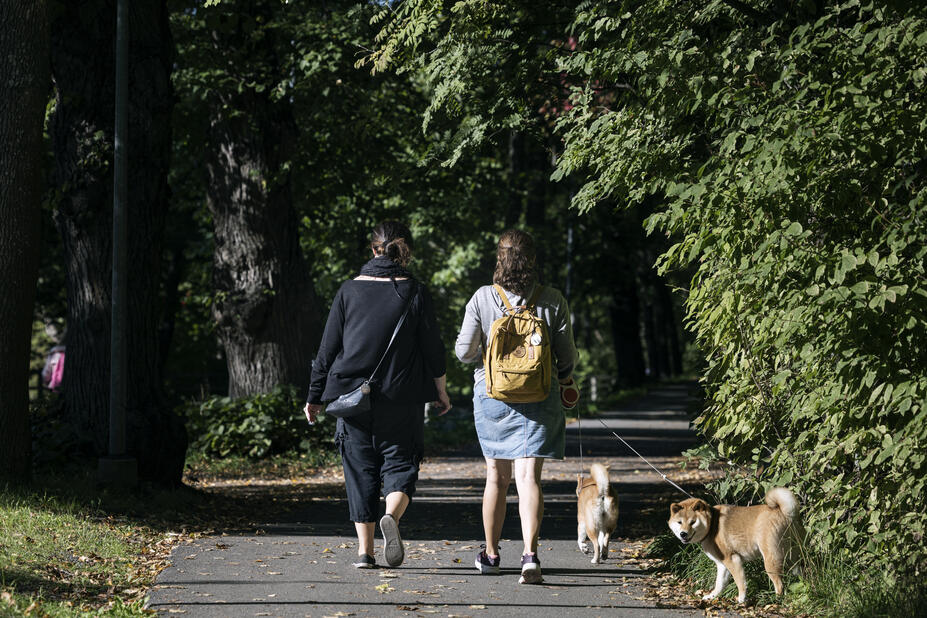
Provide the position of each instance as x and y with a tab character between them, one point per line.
443	402
312	411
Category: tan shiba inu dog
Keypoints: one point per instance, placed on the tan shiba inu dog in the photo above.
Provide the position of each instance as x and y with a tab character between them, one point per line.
596	512
733	535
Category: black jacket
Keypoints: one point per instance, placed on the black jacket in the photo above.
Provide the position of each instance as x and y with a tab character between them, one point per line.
359	326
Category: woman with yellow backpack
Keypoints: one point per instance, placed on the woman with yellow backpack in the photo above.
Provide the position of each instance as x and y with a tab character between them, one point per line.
521	331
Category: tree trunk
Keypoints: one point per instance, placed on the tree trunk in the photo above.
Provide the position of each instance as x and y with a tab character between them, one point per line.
83	41
24	92
670	328
625	316
265	306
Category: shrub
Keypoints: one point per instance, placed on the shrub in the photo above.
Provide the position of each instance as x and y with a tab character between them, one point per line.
257	426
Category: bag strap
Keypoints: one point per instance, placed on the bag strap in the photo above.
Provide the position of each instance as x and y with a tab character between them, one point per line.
508	306
402	319
501	293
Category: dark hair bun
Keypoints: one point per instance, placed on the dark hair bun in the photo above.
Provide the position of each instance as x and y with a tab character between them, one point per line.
398	251
394	240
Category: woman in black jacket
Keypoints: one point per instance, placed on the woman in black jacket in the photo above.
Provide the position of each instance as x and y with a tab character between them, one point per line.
386	443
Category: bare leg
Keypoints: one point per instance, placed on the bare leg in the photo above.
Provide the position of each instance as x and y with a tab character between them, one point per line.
530	500
365	532
396	503
498	478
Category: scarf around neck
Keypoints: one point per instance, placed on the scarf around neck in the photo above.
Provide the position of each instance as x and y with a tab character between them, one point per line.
382	266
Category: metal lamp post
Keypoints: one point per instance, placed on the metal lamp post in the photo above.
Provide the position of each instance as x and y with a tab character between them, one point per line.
117	468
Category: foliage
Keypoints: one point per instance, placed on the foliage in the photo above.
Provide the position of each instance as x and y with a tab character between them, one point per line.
454	430
257	426
783	145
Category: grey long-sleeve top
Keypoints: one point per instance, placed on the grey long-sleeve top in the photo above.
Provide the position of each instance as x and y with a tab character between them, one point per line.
485	306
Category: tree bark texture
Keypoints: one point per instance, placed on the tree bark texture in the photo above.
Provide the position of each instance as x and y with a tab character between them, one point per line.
265	306
23	91
83	68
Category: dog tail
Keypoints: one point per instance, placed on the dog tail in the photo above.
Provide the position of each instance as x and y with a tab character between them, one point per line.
784	500
600	473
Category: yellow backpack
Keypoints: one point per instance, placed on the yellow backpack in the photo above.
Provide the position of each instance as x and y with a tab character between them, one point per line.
517	357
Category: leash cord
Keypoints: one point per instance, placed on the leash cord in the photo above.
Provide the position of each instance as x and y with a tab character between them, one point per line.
579	425
633	451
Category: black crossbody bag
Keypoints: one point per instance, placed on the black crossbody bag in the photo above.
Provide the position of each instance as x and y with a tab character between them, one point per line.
358	401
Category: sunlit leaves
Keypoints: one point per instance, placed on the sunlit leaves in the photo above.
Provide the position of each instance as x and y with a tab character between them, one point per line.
786	150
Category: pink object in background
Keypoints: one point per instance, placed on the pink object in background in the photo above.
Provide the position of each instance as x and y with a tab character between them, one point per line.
53	372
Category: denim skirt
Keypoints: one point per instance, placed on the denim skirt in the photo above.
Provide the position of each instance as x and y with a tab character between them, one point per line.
516	430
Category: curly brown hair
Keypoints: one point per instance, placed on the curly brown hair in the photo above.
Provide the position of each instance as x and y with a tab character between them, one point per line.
515	262
394	240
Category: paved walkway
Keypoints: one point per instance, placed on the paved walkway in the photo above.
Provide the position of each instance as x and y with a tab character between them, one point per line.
301	566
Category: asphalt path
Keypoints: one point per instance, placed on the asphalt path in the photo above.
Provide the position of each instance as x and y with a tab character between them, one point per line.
301	566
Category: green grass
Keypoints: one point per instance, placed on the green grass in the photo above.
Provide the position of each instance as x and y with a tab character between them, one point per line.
834	586
62	556
70	548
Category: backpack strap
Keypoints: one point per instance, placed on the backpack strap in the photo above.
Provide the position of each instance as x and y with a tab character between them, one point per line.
505	299
508	306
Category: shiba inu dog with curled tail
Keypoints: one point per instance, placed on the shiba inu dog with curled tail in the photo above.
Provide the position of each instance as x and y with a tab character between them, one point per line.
734	535
596	512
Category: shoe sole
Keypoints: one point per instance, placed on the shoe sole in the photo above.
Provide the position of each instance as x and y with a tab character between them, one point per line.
485	569
531	575
393	549
364	565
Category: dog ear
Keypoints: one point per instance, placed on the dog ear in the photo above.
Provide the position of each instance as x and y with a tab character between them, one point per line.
675	508
701	505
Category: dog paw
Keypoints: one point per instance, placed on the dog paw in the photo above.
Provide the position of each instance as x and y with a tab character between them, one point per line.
710	596
584	547
596	561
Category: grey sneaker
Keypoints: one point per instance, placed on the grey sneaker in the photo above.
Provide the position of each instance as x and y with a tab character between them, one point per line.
365	561
393	549
530	570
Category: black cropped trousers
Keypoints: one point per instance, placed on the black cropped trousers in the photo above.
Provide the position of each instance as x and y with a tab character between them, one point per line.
381	450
